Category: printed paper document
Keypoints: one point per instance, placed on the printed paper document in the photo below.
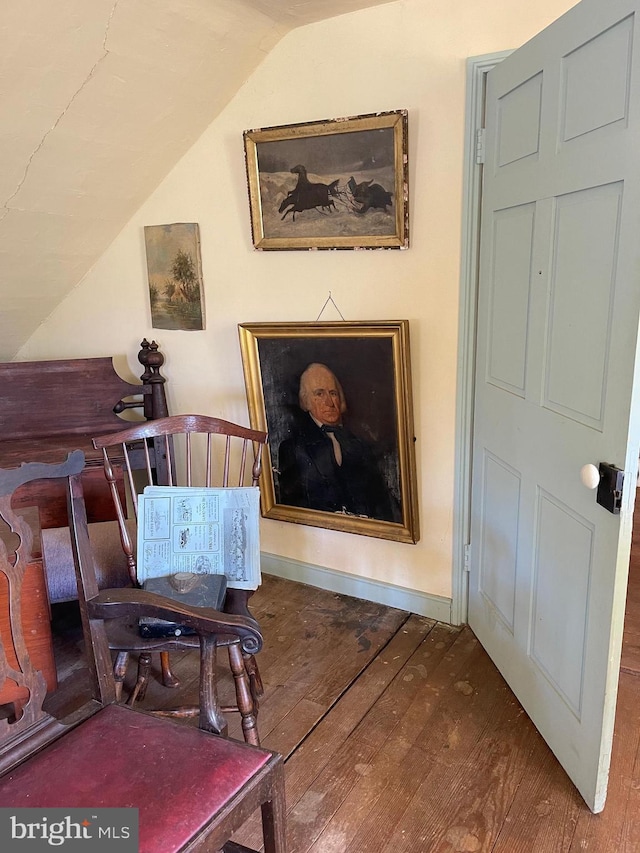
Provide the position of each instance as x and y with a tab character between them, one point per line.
209	531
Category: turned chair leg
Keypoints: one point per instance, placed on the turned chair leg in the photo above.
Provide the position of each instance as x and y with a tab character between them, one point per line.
246	703
168	678
119	672
255	680
144	670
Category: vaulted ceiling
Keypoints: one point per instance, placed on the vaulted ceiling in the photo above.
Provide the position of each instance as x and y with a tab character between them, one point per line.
100	99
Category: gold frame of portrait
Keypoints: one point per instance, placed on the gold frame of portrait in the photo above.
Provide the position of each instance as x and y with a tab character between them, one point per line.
369	231
298	344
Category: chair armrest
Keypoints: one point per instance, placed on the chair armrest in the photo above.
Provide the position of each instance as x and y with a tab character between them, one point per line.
205	621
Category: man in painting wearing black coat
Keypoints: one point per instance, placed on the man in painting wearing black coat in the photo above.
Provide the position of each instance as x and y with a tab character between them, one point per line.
323	465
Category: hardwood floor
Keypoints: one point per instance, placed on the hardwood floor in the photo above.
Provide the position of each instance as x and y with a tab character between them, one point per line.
631	641
400	736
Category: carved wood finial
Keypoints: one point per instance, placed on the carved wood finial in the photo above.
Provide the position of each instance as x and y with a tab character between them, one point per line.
150	357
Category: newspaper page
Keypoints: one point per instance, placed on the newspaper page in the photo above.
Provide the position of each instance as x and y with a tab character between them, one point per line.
209	531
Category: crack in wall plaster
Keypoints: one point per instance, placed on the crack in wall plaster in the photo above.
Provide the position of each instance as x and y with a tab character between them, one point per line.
105	52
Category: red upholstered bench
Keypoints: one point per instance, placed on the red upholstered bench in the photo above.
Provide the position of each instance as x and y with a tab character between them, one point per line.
179	777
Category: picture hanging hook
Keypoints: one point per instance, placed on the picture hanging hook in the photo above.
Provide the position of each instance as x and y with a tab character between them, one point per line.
326	302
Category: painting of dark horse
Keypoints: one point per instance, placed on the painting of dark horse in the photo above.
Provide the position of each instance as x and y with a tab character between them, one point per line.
333	184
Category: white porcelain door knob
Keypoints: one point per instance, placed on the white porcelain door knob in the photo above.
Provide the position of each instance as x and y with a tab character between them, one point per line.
590	476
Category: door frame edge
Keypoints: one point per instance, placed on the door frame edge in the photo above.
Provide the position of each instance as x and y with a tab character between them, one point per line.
477	69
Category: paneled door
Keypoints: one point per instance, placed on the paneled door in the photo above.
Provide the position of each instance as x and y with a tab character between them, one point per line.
556	378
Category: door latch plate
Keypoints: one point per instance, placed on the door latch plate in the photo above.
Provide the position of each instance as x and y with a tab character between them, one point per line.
610	487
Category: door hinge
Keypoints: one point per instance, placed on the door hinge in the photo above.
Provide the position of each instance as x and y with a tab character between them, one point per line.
480	137
467	558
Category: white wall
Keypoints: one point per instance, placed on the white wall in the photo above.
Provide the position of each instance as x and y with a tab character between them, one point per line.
407	55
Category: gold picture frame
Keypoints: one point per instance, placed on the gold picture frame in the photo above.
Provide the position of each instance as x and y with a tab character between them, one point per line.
332	184
365	368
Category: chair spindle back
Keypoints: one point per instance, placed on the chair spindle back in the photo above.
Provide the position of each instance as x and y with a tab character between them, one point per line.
192	455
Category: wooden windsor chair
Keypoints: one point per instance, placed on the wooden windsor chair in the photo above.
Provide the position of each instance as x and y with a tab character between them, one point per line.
197	451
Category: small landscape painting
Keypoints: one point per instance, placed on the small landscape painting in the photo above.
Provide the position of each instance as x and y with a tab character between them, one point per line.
335	184
176	291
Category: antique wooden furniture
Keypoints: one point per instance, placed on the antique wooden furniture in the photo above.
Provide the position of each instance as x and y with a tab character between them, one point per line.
193	789
48	408
214	459
34	612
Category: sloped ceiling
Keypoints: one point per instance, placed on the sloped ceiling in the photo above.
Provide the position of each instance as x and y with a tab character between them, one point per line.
100	98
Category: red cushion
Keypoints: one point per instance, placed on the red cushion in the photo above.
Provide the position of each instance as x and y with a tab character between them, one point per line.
177	775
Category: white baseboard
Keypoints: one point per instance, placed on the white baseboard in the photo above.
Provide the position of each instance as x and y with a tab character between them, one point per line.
411	600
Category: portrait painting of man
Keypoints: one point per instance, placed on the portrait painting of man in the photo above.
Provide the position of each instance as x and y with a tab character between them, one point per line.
324	465
338	444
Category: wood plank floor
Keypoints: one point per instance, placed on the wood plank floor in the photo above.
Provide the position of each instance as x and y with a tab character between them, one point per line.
631	641
400	736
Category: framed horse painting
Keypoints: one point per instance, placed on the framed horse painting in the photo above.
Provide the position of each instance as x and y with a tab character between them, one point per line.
333	184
